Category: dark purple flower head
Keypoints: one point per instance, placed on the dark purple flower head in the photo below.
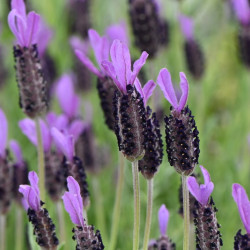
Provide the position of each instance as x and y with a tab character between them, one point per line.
3	133
166	85
242	11
242	201
28	128
187	27
69	101
118	31
24	27
100	46
163	217
31	193
16	150
73	202
120	67
201	192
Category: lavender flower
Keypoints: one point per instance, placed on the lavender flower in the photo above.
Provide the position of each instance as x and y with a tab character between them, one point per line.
20	171
105	85
5	167
129	109
44	229
72	164
242	201
181	131
32	86
207	228
84	235
194	55
242	11
163	242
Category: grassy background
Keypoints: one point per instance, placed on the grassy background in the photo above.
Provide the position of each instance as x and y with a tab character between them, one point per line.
220	102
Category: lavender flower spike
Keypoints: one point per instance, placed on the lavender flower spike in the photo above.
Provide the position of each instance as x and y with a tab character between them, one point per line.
166	85
31	192
242	201
3	133
163	217
73	202
242	11
201	192
120	68
24	27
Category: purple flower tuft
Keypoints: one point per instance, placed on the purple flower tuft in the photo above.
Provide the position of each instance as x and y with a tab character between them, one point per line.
187	27
31	192
242	11
166	85
100	46
69	101
120	68
163	217
3	133
24	27
16	150
203	191
242	201
73	202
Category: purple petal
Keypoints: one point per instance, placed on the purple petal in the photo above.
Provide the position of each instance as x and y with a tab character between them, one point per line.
64	143
78	44
71	205
137	66
3	133
166	85
30	197
184	88
16	150
242	10
121	60
28	128
139	88
69	101
163	217
242	201
76	128
74	188
58	121
202	192
118	31
88	64
45	136
19	5
110	71
148	90
187	29
33	22
100	46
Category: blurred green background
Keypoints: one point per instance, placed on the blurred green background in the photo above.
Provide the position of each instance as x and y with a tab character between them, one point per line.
219	101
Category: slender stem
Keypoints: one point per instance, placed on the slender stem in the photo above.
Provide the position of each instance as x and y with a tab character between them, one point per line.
149	213
19	229
136	185
40	160
61	221
117	205
2	231
99	210
85	215
185	193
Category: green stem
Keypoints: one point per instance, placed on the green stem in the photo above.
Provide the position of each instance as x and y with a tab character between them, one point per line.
185	193
149	213
19	229
136	186
61	221
40	153
2	231
99	210
117	205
